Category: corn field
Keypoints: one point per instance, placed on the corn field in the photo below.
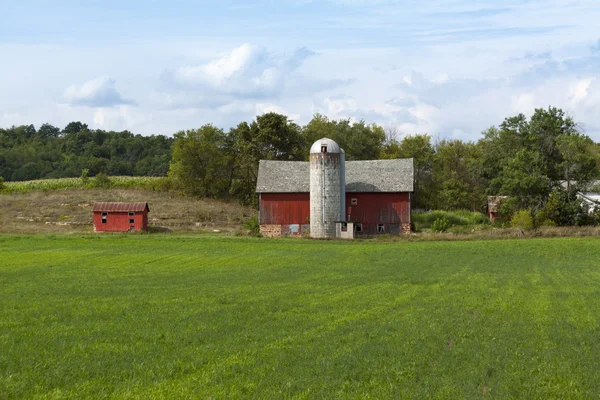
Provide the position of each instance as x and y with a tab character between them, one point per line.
117	182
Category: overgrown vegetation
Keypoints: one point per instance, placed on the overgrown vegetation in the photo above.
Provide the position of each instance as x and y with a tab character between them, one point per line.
426	220
440	225
522	220
100	181
162	316
253	226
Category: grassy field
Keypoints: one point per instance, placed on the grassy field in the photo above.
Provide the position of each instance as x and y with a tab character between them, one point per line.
166	316
70	211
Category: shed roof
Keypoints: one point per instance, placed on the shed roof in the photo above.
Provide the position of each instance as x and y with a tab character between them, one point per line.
361	176
120	207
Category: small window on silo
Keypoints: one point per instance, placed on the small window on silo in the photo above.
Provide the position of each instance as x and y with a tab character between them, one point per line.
323	148
354	201
358	228
344	227
380	228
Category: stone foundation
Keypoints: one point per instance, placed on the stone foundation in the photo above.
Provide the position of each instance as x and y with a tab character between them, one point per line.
405	228
297	230
275	231
270	231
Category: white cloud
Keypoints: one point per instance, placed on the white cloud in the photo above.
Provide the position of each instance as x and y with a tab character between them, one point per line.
263	108
523	103
245	72
98	92
579	90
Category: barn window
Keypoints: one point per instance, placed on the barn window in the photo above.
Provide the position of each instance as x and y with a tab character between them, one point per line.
131	220
104	217
131	214
354	201
380	228
358	228
323	148
344	227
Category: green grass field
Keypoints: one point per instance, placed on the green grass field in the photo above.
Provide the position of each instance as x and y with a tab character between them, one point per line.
158	316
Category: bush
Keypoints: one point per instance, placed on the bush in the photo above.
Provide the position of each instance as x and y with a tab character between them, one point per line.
507	208
522	219
253	225
440	225
564	208
2	185
425	220
102	181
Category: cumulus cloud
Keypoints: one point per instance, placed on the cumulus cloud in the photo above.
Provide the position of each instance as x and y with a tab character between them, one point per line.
99	92
247	71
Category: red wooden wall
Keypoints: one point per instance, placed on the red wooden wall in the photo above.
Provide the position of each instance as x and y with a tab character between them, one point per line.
378	208
371	208
119	221
284	208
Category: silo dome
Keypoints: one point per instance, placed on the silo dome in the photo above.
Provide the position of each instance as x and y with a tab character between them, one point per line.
325	145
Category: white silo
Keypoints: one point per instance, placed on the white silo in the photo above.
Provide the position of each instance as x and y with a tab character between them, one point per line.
326	178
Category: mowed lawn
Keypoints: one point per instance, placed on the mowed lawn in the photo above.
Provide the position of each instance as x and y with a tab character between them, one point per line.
159	316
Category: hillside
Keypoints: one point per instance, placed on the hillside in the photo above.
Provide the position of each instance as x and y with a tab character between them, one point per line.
69	211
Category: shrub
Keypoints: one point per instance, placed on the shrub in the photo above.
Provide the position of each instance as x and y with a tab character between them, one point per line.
425	220
507	209
253	225
2	185
522	219
102	181
566	209
440	225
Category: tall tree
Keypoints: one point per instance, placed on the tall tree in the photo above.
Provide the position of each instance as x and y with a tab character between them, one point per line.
200	166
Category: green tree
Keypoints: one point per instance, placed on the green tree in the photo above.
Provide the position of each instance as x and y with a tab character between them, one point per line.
564	208
359	140
200	165
579	162
525	178
457	181
420	149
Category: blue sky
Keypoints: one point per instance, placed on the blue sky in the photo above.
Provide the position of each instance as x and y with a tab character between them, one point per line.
448	68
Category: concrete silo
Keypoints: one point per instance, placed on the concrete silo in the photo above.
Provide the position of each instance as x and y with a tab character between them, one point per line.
327	188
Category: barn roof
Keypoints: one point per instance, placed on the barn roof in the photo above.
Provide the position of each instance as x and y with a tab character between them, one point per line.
120	207
361	176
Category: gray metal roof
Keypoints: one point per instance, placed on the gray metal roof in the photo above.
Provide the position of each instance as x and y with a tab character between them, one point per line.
361	176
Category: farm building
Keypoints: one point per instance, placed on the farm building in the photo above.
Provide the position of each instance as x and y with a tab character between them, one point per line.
493	204
330	197
120	217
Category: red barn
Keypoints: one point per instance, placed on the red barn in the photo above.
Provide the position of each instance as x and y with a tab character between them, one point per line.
377	197
120	217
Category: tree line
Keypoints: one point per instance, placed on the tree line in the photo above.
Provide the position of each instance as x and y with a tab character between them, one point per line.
27	153
524	158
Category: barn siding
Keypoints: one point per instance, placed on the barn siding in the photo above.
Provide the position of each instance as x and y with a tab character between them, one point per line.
390	209
119	222
284	208
280	211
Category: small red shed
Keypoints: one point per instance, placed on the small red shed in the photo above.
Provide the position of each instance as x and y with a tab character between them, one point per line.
120	217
